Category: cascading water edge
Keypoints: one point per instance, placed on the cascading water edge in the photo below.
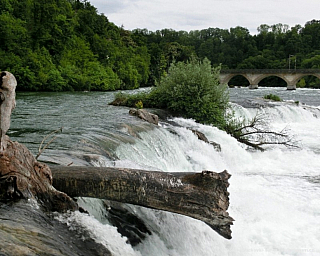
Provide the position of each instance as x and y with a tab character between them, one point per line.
270	192
273	194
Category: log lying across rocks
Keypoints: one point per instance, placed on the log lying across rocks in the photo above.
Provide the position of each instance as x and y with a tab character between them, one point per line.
202	196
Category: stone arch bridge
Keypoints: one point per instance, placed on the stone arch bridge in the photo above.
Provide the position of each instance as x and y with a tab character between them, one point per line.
254	76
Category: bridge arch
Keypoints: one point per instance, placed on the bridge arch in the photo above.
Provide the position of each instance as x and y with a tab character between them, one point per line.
254	76
226	79
272	81
238	80
264	76
304	75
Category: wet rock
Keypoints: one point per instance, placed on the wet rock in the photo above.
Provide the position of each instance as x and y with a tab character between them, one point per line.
144	115
203	137
128	224
130	130
216	146
27	230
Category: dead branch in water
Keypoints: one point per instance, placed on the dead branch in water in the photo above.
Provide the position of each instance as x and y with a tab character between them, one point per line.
41	149
256	133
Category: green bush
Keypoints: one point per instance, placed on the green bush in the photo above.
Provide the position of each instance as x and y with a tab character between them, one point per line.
272	97
191	90
139	104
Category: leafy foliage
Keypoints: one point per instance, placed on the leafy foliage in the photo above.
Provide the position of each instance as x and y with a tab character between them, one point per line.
59	45
272	97
190	89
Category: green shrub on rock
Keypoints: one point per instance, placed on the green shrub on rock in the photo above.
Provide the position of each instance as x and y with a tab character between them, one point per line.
272	97
191	90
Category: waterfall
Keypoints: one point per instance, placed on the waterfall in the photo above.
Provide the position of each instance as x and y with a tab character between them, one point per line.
274	195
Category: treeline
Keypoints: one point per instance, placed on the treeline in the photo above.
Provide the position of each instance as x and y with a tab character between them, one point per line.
59	45
274	47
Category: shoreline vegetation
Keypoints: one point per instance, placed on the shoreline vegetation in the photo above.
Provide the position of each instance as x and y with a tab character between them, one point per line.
63	45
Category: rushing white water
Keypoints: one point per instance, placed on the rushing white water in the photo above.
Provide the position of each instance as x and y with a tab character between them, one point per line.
274	195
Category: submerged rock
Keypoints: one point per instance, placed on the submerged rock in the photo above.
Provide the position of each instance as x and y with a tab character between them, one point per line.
26	230
128	224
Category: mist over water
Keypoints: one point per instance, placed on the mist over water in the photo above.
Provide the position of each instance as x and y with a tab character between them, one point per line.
274	195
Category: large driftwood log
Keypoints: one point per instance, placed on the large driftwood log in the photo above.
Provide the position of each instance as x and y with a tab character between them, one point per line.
201	196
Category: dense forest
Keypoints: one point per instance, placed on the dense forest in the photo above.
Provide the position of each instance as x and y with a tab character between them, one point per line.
60	45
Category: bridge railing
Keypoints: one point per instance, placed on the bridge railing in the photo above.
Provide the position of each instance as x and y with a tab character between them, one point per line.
269	71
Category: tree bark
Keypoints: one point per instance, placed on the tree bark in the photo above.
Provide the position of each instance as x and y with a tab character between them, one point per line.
202	196
23	177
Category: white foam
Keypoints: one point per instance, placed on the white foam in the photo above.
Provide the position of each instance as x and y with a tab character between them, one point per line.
276	208
104	234
273	199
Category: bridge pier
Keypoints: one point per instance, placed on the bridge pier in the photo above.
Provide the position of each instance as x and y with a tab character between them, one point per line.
291	86
253	86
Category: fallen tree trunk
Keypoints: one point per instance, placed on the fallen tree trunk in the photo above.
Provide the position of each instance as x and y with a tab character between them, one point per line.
202	196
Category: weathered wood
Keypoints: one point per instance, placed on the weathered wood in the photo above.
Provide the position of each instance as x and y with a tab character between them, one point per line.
8	85
201	196
23	177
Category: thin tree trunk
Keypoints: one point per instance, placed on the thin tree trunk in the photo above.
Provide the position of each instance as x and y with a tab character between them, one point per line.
202	196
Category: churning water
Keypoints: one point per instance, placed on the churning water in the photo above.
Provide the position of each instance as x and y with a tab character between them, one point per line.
274	195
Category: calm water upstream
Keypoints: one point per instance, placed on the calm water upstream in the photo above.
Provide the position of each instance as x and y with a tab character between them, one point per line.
274	195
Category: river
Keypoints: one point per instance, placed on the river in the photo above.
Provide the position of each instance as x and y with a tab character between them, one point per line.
274	195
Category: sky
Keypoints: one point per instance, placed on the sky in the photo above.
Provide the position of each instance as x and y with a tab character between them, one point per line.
190	15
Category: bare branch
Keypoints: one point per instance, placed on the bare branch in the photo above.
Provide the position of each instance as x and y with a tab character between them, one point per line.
264	132
41	149
256	133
